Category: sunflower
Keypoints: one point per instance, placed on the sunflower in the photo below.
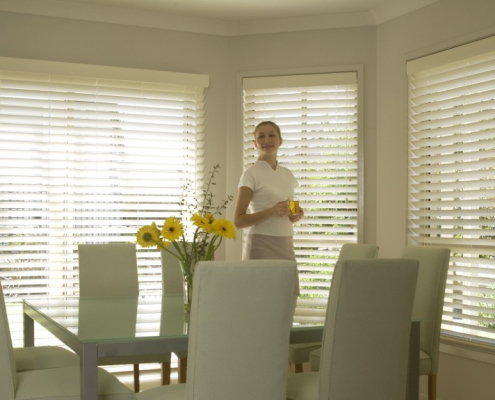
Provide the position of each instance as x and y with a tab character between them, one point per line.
208	227
209	217
156	237
156	230
202	221
199	220
223	227
172	229
148	236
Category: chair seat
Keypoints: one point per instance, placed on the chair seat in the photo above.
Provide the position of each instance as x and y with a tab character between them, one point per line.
428	306
170	392
43	357
121	360
64	384
314	360
299	353
303	386
424	363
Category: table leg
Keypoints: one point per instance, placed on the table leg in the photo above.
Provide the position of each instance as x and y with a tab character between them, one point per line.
413	366
89	372
28	331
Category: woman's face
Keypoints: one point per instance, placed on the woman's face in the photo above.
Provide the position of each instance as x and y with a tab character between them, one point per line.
267	140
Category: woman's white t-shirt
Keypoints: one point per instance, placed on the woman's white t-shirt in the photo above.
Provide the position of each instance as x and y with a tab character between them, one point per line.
269	186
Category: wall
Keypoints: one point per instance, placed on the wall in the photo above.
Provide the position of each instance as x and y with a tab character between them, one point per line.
433	28
222	58
58	39
316	51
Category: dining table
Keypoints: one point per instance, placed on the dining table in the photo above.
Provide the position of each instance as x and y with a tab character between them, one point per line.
142	325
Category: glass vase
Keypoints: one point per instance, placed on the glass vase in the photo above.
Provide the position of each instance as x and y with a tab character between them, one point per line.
187	280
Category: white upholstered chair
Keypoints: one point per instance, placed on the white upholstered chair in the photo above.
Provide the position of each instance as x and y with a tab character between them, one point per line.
428	306
366	337
239	332
43	357
172	284
62	383
304	352
110	270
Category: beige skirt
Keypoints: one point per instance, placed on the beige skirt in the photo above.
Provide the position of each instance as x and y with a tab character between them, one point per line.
266	247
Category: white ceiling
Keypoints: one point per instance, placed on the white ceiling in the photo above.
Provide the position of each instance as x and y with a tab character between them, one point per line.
224	17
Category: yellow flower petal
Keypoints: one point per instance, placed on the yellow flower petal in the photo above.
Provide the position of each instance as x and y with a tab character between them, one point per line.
157	231
172	229
223	227
209	217
146	236
203	222
209	228
198	220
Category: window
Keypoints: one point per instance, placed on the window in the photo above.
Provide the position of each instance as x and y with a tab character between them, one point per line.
89	154
452	179
318	117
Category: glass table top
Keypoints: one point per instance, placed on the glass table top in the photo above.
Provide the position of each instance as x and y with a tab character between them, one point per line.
117	318
100	319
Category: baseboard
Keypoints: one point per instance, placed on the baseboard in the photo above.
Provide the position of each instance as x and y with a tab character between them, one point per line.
425	397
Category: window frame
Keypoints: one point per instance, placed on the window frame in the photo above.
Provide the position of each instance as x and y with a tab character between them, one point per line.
461	344
355	68
149	265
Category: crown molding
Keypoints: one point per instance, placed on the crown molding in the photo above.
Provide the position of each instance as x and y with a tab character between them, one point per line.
394	9
143	18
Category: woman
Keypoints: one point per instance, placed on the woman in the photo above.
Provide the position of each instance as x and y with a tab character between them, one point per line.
265	188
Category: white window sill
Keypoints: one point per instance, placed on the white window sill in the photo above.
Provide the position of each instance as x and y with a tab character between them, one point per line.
467	350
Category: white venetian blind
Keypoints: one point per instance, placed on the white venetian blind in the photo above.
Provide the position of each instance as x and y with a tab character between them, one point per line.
318	117
89	154
452	179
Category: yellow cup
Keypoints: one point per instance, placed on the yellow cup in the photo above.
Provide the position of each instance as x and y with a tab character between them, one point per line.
294	206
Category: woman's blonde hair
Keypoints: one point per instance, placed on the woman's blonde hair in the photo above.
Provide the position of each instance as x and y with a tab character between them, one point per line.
277	128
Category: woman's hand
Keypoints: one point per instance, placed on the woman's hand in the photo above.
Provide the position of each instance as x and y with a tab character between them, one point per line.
281	209
296	217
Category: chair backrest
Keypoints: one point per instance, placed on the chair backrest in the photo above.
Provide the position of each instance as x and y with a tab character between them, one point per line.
368	322
430	294
116	318
108	270
8	379
354	251
171	273
239	331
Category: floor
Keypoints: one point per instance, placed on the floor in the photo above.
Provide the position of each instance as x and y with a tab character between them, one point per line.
150	375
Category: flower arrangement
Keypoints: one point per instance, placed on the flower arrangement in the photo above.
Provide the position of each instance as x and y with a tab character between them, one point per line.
209	231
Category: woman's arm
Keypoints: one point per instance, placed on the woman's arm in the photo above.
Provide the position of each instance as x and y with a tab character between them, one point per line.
296	217
243	220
